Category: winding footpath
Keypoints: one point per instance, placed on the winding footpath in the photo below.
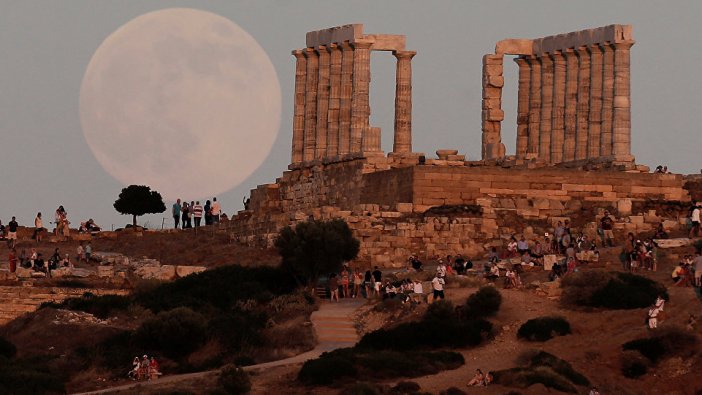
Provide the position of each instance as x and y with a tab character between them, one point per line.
333	325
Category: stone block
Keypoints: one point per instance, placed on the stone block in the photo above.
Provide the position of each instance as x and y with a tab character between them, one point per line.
105	271
183	271
23	273
624	207
636	219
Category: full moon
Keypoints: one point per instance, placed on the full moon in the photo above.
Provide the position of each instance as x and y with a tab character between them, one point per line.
182	100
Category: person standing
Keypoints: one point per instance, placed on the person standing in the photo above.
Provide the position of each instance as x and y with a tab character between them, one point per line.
197	213
191	208
378	280
216	210
184	215
334	288
38	228
438	285
695	219
176	213
697	264
607	226
88	252
12	258
208	213
12	233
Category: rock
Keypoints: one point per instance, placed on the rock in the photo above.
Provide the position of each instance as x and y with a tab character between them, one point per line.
6	275
24	273
156	272
105	271
183	271
673	243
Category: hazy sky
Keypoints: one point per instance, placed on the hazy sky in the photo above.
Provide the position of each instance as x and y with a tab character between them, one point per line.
45	47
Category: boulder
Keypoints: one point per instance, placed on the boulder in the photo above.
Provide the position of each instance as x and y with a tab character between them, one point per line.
673	243
24	273
183	271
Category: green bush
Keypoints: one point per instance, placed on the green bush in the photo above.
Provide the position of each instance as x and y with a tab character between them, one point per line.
99	306
633	364
543	328
667	342
234	380
428	335
484	303
442	310
176	332
544	368
610	290
7	349
353	363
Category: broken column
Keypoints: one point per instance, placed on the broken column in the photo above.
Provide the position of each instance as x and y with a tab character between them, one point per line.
403	102
492	113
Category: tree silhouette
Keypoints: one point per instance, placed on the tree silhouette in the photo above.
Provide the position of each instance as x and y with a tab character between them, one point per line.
138	200
316	247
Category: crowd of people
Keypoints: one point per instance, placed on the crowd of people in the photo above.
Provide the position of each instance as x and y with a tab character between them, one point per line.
144	369
188	215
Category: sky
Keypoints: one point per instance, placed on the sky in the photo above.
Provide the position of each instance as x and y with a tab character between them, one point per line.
46	46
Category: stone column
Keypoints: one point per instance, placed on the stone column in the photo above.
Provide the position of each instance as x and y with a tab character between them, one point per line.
571	102
558	116
534	105
345	99
546	107
523	106
334	100
360	106
607	99
492	114
371	140
322	103
595	121
583	107
298	139
311	103
621	129
403	102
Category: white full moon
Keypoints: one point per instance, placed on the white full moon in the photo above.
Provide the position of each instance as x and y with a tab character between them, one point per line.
182	100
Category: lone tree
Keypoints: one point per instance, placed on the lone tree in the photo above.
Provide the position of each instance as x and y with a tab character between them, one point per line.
138	200
316	247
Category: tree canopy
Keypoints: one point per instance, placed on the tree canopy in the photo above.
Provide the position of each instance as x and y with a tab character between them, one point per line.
316	247
137	200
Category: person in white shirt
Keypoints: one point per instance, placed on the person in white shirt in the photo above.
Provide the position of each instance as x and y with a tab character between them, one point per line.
441	269
216	210
38	228
695	219
438	285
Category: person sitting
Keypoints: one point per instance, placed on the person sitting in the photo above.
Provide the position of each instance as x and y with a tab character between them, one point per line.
556	272
91	226
390	290
144	368
415	263
522	246
154	369
494	273
136	365
537	253
512	248
459	264
478	379
417	291
66	262
492	256
39	265
441	269
660	232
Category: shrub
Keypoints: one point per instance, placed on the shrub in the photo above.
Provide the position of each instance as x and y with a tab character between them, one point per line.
428	334
353	363
544	368
234	380
453	391
610	290
7	349
484	303
235	328
406	387
668	342
28	377
99	306
633	364
442	310
176	332
362	388
543	328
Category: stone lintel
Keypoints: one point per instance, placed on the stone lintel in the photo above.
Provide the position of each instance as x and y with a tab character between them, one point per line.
514	46
386	42
337	34
611	33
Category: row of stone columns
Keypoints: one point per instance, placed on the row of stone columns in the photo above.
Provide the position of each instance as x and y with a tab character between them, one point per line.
332	110
574	104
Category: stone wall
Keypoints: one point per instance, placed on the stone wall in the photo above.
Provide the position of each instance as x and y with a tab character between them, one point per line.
18	300
397	207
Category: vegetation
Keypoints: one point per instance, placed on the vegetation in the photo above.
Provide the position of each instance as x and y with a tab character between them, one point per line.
316	247
482	304
543	328
428	334
7	349
137	200
610	290
355	363
640	354
28	375
99	306
234	380
544	368
175	333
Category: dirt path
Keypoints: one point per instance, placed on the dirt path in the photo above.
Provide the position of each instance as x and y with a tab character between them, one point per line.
333	327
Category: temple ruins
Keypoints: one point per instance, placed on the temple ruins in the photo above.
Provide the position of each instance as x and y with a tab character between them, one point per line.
332	86
573	152
574	102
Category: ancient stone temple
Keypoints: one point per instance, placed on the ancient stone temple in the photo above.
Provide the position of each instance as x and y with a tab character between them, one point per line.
574	102
332	85
573	113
